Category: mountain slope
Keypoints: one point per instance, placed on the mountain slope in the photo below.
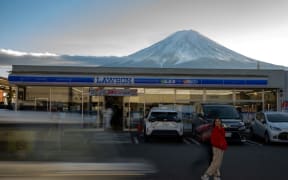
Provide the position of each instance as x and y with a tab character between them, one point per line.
183	49
190	49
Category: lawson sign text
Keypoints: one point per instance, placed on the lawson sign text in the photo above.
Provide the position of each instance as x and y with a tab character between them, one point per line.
113	80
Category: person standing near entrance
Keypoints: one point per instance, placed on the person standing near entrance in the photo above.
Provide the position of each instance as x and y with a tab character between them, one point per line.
107	117
219	145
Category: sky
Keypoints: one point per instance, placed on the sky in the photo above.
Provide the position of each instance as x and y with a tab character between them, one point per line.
255	28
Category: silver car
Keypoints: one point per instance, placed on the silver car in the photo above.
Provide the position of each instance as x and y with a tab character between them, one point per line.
271	126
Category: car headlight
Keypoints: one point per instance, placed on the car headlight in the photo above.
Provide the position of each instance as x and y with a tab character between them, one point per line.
275	128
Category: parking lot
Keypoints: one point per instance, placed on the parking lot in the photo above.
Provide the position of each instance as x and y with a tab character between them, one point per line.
189	139
159	158
252	159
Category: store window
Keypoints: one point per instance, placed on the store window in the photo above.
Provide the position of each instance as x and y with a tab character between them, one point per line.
250	95
33	98
185	100
250	100
134	109
270	97
159	97
219	96
59	98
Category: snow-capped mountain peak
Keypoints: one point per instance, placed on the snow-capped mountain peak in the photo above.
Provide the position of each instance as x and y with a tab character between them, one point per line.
184	46
182	49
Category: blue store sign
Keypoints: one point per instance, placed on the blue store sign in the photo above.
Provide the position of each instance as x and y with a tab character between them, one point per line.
137	81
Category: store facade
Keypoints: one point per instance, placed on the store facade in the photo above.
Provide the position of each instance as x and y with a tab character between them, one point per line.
131	92
5	92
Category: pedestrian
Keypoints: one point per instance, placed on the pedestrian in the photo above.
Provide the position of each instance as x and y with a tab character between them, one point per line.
108	113
219	145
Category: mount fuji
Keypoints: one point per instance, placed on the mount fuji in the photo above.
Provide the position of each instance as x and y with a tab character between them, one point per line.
190	49
183	49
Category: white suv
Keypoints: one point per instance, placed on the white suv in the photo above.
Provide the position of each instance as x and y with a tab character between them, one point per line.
163	122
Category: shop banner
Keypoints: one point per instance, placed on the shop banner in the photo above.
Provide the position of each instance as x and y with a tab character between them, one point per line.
112	92
139	81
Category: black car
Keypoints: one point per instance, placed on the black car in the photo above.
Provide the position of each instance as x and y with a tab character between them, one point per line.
234	126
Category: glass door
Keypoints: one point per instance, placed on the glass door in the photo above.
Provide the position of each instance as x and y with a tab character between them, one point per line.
98	106
133	110
133	113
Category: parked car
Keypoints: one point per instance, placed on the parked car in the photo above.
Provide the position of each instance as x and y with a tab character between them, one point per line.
163	122
234	126
271	126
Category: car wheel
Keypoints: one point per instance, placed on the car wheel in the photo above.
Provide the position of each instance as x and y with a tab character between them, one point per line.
180	139
146	137
252	134
193	131
266	138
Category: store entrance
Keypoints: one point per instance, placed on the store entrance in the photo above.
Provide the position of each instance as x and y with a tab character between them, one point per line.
114	105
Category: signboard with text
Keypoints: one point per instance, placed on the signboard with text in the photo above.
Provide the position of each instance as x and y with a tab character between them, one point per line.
127	81
112	92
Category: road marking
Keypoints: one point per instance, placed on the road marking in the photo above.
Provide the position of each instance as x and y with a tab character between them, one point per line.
192	140
253	143
186	141
195	141
135	140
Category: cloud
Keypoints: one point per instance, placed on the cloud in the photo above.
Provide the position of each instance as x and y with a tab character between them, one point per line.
12	57
19	53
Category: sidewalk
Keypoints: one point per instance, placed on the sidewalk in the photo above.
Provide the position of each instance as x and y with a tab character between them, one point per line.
9	116
54	169
28	135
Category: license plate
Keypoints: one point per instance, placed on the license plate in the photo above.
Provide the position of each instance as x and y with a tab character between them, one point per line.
228	134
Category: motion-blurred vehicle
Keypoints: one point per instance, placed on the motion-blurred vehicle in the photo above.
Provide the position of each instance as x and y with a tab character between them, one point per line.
205	114
203	132
270	126
163	122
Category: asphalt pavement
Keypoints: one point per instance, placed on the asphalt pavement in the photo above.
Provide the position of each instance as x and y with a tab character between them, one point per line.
49	150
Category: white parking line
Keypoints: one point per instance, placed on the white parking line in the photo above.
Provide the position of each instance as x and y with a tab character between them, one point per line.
193	140
253	143
186	141
135	140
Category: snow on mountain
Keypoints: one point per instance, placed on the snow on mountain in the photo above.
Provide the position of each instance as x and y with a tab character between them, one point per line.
183	49
184	46
190	49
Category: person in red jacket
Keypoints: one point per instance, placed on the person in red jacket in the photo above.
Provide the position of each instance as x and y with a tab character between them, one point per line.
219	145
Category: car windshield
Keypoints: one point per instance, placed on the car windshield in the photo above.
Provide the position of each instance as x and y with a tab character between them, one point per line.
277	117
160	116
223	112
